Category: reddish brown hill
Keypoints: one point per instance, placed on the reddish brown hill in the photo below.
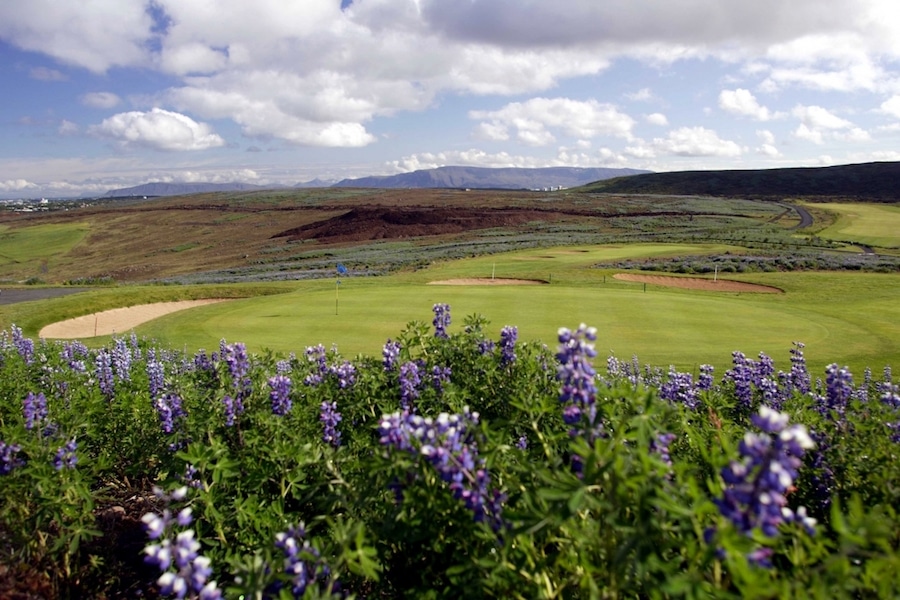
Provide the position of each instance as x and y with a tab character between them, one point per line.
376	223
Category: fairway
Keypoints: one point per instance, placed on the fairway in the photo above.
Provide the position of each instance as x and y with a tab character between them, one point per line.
40	242
870	224
660	326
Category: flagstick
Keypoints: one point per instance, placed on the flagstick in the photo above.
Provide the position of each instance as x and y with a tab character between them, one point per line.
337	286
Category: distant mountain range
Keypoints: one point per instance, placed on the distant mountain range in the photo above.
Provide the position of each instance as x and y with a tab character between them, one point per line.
487	178
878	181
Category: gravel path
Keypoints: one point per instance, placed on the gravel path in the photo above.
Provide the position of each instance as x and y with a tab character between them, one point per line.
14	295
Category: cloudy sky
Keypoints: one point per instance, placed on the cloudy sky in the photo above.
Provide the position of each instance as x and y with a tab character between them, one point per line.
101	94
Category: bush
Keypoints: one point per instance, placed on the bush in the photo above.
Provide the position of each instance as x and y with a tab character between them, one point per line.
452	466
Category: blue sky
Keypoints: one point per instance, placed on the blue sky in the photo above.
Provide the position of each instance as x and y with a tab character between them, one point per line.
103	94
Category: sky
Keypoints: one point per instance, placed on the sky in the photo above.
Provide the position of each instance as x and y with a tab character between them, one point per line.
106	94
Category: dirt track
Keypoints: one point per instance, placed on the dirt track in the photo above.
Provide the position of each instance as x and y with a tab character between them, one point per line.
117	320
699	283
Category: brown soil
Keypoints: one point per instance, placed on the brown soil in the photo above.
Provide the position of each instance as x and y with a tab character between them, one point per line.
117	320
487	281
699	283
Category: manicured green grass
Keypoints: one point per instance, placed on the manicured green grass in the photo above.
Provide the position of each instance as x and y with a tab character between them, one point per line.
25	245
849	318
870	224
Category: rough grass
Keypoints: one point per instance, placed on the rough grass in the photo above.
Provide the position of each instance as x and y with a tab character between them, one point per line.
30	249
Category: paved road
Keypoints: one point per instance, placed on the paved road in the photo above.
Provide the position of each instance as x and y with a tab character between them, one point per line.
806	219
14	295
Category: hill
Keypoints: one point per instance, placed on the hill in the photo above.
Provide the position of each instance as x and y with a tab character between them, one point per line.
488	178
877	181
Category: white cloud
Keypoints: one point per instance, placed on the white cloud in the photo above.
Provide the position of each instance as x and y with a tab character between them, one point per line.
657	119
158	129
766	136
100	100
533	119
68	128
768	150
686	141
818	124
16	185
742	102
642	95
45	74
891	106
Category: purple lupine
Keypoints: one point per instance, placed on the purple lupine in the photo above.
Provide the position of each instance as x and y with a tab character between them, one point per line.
185	572
104	374
800	379
838	391
659	445
280	394
156	375
441	320
24	346
577	375
486	347
390	355
9	458
679	388
168	407
705	381
72	353
439	377
317	355
34	408
283	367
232	409
345	373
239	367
508	336
66	457
522	443
121	360
302	562
203	362
757	484
409	383
741	374
448	444
330	417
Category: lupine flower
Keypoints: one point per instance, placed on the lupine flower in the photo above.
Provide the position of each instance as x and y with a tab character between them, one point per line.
679	388
741	374
448	444
838	391
121	360
168	407
283	367
233	408
758	482
390	355
330	417
155	374
302	561
317	355
66	458
203	362
34	408
185	572
280	394
24	346
409	383
345	373
660	446
440	376
9	458
441	320
577	375
486	347
522	443
235	357
508	336
705	381
104	374
800	380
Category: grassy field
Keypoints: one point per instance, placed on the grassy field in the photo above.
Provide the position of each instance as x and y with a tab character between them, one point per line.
849	318
871	224
34	247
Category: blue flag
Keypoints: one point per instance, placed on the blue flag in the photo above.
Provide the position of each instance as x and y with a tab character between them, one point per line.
341	269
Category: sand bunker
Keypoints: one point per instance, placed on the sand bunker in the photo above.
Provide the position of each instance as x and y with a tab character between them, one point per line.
699	283
116	320
487	281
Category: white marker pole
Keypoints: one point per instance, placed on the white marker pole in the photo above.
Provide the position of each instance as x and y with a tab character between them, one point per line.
493	270
716	276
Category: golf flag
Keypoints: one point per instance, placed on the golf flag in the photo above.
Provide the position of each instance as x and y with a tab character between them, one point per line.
341	269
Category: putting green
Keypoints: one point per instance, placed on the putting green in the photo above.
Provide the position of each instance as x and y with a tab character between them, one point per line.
661	327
